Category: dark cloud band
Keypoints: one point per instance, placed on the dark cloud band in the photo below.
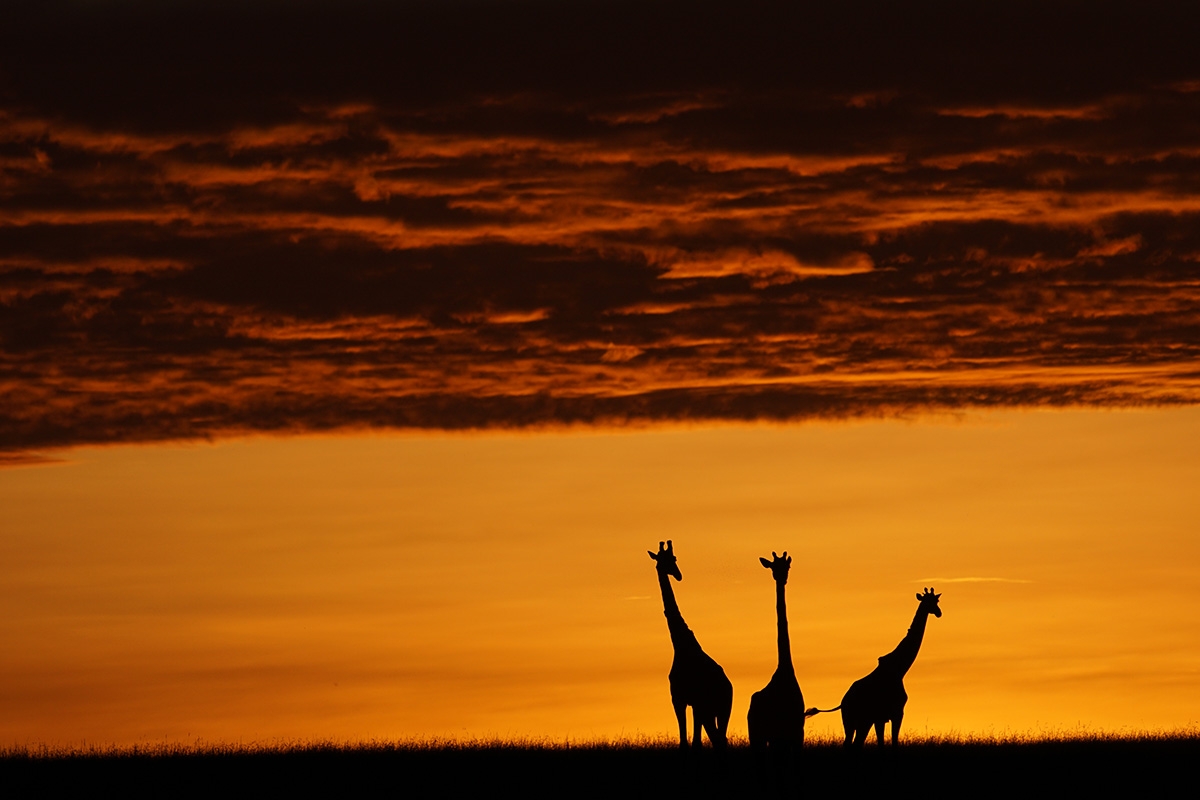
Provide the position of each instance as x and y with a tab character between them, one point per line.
234	240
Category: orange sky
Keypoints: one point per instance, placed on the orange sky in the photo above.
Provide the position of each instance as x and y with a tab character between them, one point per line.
354	587
351	358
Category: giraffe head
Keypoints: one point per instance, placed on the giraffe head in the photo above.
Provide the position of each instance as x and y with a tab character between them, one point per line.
779	566
664	559
929	603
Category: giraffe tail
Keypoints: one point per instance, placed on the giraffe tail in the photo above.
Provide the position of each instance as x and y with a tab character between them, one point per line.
812	712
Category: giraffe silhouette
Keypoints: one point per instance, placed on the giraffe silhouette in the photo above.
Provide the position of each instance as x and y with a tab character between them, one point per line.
880	697
776	718
696	680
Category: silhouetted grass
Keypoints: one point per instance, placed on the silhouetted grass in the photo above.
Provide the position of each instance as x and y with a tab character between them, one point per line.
1008	763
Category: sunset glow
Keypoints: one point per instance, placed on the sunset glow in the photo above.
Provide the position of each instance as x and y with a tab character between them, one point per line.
415	586
351	358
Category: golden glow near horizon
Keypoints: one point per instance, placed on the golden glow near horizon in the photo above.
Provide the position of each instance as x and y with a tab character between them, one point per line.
388	586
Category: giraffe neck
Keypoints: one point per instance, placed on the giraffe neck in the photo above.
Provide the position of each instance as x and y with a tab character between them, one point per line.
680	634
902	658
785	643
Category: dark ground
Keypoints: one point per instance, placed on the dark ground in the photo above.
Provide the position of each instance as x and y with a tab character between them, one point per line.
1141	767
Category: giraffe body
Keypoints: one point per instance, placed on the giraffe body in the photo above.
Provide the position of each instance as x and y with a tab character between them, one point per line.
700	682
696	679
879	698
872	702
776	718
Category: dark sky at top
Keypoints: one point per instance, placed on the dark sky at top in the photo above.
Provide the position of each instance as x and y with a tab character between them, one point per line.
191	65
227	217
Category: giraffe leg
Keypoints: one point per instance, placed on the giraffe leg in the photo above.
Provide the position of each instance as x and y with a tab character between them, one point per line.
722	723
860	735
713	731
896	729
697	723
681	716
879	732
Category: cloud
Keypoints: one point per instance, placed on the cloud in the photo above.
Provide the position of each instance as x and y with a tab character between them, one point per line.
678	228
27	459
931	581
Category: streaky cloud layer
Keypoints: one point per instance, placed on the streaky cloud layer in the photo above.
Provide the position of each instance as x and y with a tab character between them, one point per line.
451	217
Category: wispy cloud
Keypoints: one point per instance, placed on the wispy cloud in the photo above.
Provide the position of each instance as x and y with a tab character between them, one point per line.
27	459
932	581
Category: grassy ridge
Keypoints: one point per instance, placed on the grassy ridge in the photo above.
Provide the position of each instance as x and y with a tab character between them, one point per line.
1038	767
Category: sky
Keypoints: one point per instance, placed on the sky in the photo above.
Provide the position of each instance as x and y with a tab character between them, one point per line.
352	354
